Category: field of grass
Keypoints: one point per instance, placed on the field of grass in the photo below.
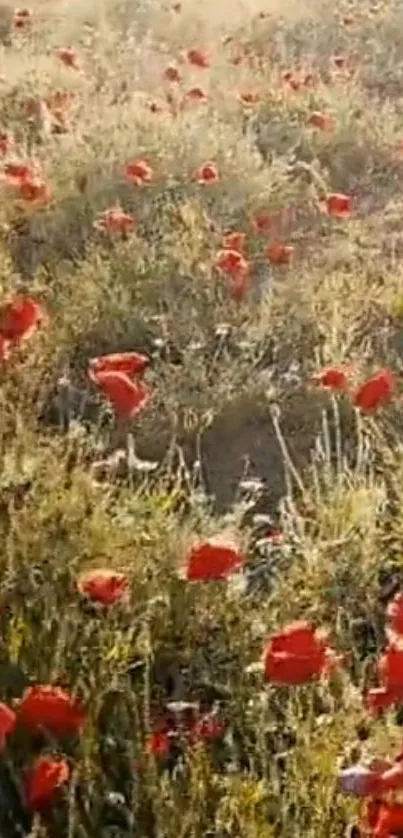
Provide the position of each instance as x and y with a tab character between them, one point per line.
135	138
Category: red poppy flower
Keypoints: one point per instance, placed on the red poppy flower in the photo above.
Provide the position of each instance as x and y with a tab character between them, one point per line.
17	173
50	708
139	173
279	254
207	174
231	262
338	205
262	223
390	668
296	655
389	823
6	142
159	744
249	98
69	57
114	220
7	723
196	94
332	378
394	614
104	586
19	319
172	74
322	121
22	19
375	392
127	397
34	190
131	363
44	780
198	58
234	241
212	562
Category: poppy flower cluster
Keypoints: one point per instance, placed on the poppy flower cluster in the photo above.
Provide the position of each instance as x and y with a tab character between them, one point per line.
298	654
51	709
372	394
119	377
233	263
28	186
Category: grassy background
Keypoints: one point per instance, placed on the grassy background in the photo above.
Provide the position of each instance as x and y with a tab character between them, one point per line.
223	409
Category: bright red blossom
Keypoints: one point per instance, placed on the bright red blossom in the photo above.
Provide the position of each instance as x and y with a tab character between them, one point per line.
130	363
19	319
332	378
338	205
44	780
375	392
50	708
139	172
297	655
106	587
127	397
231	262
212	562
